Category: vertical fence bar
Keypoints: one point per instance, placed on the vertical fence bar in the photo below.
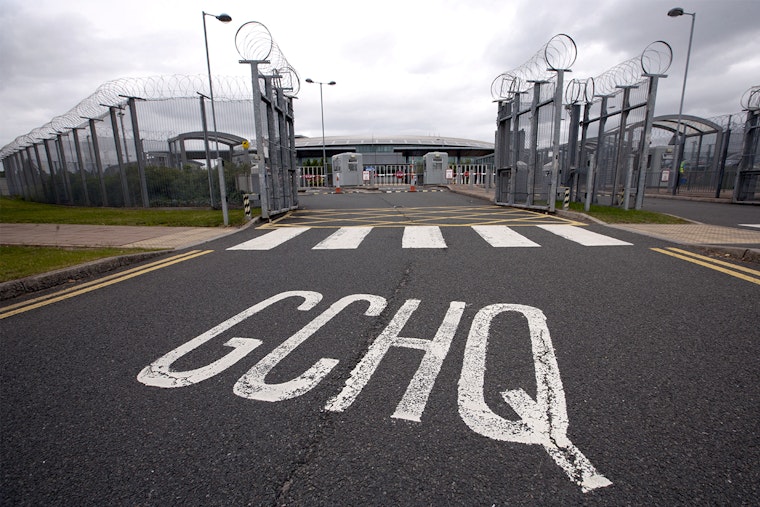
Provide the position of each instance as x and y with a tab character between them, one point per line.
122	172
80	161
138	151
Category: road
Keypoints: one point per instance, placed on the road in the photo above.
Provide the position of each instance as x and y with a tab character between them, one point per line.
414	357
724	214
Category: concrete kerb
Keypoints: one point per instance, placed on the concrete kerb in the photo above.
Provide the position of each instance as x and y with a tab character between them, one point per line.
52	279
35	283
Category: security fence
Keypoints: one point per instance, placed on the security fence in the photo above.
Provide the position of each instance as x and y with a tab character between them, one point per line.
137	142
529	132
149	142
389	175
612	150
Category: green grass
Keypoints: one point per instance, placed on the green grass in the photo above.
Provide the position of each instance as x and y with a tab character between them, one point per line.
612	215
22	261
15	211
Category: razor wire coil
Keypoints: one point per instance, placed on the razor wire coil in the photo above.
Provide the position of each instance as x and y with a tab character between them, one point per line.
750	100
254	42
559	53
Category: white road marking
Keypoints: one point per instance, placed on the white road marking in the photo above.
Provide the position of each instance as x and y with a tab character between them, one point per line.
750	225
271	239
160	374
498	236
415	398
252	384
502	236
543	420
582	236
345	238
422	236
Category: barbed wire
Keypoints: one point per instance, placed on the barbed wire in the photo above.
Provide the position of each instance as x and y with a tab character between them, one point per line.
750	100
654	60
559	53
254	42
114	93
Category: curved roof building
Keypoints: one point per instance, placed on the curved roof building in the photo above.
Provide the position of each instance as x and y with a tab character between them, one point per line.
393	149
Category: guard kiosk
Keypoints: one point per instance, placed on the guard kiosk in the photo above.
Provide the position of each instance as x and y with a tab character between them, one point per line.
436	163
347	168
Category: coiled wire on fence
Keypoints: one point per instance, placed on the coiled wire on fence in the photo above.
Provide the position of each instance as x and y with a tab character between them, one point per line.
559	53
750	100
654	60
254	42
114	93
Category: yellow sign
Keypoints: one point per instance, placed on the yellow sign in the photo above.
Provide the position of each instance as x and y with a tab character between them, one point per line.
246	144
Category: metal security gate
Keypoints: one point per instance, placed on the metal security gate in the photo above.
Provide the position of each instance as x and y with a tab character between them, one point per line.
527	148
274	83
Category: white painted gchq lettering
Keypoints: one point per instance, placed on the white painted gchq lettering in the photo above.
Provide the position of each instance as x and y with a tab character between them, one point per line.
160	374
252	384
542	421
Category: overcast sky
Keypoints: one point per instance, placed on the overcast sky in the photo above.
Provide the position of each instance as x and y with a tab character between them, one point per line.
408	67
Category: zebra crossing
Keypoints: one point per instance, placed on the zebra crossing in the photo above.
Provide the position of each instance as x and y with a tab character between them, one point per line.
430	237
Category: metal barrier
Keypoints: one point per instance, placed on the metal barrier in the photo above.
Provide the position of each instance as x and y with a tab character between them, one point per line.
377	175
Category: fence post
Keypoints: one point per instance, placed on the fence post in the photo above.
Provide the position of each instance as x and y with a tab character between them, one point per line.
589	182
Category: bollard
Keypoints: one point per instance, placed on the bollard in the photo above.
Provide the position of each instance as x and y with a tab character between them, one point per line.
566	200
247	206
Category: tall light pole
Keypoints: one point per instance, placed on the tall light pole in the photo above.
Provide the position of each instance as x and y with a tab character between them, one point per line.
224	18
322	108
674	13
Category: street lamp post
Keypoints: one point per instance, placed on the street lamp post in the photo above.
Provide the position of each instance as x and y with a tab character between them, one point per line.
674	13
322	109
224	18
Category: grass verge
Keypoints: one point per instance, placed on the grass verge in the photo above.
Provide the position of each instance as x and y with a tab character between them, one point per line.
17	211
22	261
610	215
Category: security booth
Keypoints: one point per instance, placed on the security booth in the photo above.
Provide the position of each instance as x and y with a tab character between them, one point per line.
435	165
347	168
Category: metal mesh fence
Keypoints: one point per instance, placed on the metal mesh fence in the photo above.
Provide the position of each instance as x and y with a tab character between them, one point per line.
89	156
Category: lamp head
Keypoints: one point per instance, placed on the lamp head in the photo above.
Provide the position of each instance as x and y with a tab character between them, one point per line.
309	80
675	12
224	18
331	83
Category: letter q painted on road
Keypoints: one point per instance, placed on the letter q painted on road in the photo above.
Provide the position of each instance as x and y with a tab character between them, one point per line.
543	420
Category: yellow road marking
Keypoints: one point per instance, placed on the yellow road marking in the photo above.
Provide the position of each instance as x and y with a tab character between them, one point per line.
712	264
97	284
715	261
400	217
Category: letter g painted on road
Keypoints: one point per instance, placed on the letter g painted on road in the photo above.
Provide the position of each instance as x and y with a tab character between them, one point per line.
160	374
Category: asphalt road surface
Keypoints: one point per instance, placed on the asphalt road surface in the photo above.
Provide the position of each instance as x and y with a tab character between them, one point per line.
391	349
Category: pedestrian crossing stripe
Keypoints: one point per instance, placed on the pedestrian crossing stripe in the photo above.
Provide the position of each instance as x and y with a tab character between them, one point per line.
345	238
582	236
424	236
418	237
271	239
